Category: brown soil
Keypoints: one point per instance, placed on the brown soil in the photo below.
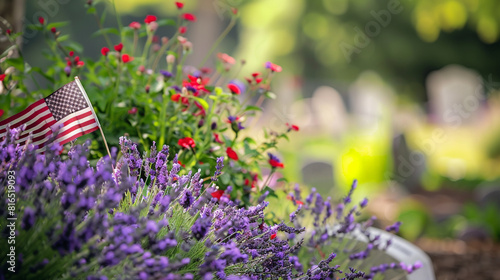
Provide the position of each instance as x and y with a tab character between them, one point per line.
457	260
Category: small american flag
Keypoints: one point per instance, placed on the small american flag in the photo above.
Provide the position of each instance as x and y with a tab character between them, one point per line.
67	108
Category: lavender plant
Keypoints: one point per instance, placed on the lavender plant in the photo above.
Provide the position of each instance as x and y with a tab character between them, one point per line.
145	217
142	87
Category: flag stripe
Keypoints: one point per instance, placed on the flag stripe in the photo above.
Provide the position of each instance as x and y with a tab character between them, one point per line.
40	132
71	123
40	111
34	123
68	129
22	115
77	133
40	117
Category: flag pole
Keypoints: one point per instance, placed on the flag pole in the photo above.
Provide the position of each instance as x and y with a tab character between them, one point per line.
94	114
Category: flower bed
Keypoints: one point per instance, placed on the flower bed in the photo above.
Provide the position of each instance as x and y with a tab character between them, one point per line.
184	197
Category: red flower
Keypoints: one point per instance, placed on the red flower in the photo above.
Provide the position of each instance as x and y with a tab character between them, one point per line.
182	29
105	51
217	194
292	127
53	30
202	110
248	80
234	89
186	142
258	80
224	57
179	5
8	31
273	236
293	199
119	47
255	74
134	25
273	67
175	97
80	64
231	153
127	58
132	111
71	53
41	20
183	165
2	77
217	138
189	17
275	163
149	19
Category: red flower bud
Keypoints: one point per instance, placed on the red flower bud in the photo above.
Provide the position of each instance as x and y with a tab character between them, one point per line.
2	77
179	5
175	97
149	19
53	30
8	31
189	17
134	25
273	236
231	153
217	194
105	51
234	89
80	64
182	29
258	80
127	58
119	47
41	20
186	142
132	111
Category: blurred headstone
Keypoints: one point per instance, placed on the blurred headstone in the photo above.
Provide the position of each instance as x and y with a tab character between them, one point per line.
408	165
488	193
329	110
319	175
371	101
455	95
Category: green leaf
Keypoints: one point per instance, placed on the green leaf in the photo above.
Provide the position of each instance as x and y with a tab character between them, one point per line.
43	73
91	10
35	27
17	63
210	88
62	38
270	95
164	22
57	24
103	31
282	179
202	102
249	140
219	91
6	52
252	108
78	48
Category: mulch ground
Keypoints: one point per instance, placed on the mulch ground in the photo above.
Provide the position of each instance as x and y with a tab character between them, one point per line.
456	259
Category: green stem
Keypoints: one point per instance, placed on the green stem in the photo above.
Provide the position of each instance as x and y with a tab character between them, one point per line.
163	120
218	41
